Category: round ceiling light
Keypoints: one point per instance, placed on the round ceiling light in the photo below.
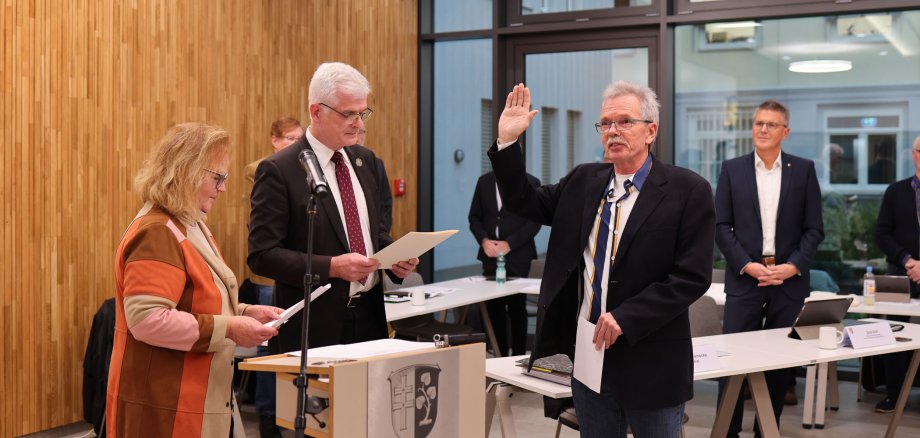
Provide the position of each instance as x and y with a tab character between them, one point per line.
820	66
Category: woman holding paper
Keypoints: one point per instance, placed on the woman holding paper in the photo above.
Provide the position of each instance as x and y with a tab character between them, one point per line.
178	318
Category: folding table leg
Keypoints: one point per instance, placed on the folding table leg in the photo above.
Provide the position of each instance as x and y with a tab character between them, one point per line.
822	395
905	392
761	396
808	412
503	399
726	406
833	387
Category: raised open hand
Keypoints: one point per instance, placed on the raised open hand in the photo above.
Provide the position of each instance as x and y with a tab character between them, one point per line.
516	116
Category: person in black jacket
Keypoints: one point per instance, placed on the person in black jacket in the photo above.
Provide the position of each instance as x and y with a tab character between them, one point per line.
96	365
897	233
499	231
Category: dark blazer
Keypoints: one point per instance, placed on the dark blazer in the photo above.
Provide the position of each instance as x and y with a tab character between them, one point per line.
664	263
799	227
896	230
278	243
518	232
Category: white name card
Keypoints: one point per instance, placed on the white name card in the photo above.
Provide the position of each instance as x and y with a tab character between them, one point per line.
705	358
868	335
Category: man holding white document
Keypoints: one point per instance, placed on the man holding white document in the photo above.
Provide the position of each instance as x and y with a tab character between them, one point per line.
349	223
630	250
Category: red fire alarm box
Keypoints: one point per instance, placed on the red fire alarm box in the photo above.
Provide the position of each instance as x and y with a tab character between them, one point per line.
399	187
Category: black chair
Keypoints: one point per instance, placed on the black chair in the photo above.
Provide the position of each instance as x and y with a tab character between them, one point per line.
421	328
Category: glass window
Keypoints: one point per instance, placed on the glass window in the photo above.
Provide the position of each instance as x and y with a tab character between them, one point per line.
855	113
462	95
531	7
455	16
735	35
573	82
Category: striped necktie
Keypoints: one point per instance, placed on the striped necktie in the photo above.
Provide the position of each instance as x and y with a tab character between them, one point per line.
600	247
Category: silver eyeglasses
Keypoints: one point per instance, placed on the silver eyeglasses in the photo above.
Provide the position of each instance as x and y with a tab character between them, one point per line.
769	125
622	124
219	178
352	117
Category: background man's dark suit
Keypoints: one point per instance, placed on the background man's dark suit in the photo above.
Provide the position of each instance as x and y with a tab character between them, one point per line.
278	244
484	217
518	232
799	230
897	234
664	263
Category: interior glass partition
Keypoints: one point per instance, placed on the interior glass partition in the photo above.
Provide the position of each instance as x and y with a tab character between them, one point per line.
851	84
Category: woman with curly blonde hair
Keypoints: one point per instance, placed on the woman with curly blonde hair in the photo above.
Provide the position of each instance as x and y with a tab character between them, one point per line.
178	318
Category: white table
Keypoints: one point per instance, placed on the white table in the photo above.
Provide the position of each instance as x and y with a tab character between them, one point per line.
885	308
752	353
469	290
508	376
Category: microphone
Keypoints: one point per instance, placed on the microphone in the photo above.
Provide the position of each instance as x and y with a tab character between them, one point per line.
315	178
444	341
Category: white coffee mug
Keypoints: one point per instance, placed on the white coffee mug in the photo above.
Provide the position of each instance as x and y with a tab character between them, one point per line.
829	338
418	297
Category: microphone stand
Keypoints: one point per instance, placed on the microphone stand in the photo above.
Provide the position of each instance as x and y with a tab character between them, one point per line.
300	421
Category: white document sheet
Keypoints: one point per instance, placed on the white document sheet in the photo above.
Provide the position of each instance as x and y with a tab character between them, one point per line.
413	244
589	363
291	311
361	350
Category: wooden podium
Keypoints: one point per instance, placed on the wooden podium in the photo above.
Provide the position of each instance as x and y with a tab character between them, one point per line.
430	392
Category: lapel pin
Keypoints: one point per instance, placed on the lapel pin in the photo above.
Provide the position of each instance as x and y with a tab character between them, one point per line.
788	164
359	162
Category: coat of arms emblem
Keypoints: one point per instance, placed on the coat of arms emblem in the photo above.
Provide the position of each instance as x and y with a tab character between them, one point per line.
414	400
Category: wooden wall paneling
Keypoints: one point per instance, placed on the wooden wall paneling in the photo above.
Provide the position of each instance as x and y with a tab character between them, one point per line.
86	90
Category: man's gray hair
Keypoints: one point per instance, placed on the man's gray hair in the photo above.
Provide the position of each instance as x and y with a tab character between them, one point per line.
331	78
648	100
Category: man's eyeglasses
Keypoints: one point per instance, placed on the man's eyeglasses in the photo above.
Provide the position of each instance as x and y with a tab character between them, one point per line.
352	117
622	124
769	125
219	178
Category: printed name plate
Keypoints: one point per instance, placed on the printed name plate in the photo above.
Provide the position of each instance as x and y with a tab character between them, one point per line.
868	335
705	358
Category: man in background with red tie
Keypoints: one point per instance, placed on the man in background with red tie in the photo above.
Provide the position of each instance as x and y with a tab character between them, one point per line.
349	225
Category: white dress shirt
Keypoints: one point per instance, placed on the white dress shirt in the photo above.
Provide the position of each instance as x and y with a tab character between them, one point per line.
768	185
324	156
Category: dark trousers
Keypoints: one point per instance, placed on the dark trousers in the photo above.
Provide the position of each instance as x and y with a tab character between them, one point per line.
513	309
760	308
896	366
360	324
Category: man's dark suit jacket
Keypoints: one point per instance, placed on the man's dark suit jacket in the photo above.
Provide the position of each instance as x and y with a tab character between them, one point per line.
664	264
278	243
799	227
896	230
484	217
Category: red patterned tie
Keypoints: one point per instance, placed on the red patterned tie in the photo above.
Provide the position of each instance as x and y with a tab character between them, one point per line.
349	207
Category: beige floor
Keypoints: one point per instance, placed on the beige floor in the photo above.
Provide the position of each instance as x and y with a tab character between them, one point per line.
853	420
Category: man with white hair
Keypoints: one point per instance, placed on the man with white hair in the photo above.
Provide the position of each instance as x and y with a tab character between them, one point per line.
629	251
349	225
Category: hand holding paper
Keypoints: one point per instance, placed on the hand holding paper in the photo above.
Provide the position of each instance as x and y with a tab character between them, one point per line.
291	311
263	314
410	246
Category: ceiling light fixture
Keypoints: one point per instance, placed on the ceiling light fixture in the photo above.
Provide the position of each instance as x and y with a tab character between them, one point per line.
820	66
735	25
